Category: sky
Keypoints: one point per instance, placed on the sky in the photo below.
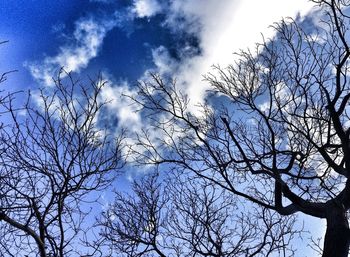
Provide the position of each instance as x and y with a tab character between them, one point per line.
127	39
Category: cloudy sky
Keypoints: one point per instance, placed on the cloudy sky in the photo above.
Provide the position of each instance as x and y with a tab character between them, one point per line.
126	39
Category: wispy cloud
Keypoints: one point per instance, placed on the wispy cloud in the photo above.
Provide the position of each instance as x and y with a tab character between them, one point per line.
163	61
87	40
76	54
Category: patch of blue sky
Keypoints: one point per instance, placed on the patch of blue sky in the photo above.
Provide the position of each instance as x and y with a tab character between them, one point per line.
128	55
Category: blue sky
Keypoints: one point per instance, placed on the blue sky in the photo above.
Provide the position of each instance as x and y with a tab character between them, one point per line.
126	39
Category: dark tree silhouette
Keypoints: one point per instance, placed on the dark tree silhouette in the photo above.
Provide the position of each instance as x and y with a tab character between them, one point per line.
52	156
187	216
281	136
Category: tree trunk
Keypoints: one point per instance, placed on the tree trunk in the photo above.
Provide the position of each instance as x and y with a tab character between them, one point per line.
337	238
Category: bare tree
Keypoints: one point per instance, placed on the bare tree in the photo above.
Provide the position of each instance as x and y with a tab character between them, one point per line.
53	158
189	217
281	136
134	222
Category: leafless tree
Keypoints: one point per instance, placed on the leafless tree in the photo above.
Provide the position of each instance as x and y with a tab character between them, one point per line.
53	160
186	216
280	137
134	222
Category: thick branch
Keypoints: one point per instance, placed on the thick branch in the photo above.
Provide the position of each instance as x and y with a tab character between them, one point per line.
27	230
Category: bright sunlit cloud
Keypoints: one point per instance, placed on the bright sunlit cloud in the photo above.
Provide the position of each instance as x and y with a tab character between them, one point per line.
225	27
146	8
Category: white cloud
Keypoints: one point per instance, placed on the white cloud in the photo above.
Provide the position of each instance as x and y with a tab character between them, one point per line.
87	40
121	106
164	62
146	8
125	111
225	27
